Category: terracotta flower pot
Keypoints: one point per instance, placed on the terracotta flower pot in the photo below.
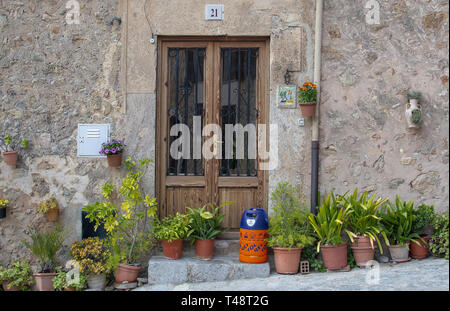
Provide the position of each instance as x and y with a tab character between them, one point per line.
362	250
2	212
69	289
334	257
399	253
14	288
44	281
204	249
308	109
10	158
287	261
114	160
52	214
172	250
419	251
126	273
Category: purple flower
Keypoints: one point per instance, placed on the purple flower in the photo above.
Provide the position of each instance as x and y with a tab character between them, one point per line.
106	151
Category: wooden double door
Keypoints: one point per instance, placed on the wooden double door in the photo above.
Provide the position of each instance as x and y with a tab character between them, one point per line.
203	85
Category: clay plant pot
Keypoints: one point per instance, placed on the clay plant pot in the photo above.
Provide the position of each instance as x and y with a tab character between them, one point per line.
52	214
308	109
2	212
399	253
334	257
419	251
204	249
126	273
114	160
69	289
287	261
14	288
96	281
362	250
10	158
44	281
172	250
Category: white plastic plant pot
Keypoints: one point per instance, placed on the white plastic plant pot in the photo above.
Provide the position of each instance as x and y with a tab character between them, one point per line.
413	114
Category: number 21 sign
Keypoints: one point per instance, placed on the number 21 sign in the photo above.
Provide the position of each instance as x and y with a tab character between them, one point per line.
214	11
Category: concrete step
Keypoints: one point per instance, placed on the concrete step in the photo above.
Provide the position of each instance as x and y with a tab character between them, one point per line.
221	248
190	270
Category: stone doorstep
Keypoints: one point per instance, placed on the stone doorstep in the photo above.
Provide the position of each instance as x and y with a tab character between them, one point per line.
191	270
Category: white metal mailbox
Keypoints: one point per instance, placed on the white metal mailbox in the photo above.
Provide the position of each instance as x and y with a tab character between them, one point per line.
90	139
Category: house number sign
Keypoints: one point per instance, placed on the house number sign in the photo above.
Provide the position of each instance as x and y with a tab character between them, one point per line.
214	12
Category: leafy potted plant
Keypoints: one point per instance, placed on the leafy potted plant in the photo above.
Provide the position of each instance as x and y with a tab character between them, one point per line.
440	238
423	220
9	148
205	227
127	225
307	96
3	206
18	277
113	151
397	220
50	208
92	255
69	282
172	230
413	111
365	224
289	231
328	224
44	246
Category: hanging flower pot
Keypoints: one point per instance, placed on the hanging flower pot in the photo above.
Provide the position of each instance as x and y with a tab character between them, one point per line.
287	260
334	257
363	251
419	251
50	208
204	249
173	249
10	158
413	111
113	151
307	95
126	273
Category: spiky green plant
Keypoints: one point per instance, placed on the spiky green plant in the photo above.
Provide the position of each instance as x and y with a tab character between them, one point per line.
330	221
397	221
364	221
206	225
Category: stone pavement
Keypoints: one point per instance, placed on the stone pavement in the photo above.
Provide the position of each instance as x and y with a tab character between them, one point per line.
430	274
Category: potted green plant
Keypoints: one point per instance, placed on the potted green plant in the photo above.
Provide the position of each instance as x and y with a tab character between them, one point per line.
289	231
440	237
69	282
423	220
92	255
45	246
50	208
397	222
172	230
307	96
364	222
127	225
205	227
3	206
113	151
328	224
17	277
9	147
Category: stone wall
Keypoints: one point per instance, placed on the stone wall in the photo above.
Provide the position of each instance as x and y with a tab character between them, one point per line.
367	69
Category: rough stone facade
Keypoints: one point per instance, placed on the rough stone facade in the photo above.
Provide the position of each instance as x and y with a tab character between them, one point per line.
54	76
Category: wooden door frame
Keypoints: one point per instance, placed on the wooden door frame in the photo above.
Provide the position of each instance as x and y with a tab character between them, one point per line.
209	42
